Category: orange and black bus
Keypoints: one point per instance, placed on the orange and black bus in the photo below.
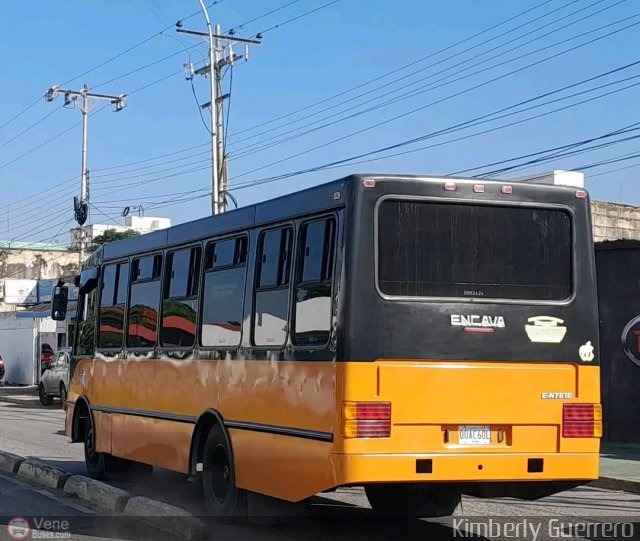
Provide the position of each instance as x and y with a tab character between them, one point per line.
422	337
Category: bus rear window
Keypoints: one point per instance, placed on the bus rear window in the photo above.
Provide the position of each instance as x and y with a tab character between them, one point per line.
428	249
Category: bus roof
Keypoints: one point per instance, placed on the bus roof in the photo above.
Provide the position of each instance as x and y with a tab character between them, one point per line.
311	200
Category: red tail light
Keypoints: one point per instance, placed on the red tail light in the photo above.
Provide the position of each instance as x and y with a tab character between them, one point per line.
582	421
366	419
1	363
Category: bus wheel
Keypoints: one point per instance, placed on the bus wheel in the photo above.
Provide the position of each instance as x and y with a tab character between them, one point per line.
223	498
411	500
94	461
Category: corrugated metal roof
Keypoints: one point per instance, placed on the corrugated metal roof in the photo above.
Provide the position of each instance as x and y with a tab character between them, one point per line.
36	246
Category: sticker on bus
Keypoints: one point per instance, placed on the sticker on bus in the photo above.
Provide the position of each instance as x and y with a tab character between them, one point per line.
474	435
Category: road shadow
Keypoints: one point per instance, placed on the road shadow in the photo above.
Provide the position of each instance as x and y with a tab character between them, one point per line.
624	451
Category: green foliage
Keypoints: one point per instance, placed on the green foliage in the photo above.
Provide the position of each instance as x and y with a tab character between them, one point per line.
111	235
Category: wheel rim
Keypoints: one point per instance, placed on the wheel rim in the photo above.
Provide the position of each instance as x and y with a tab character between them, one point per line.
89	447
220	473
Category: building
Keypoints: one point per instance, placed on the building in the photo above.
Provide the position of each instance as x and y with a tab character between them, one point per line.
139	224
611	221
25	267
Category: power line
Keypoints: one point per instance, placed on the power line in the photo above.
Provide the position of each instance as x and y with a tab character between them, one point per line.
457	127
242	25
352	134
405	85
279	25
396	70
296	133
30	127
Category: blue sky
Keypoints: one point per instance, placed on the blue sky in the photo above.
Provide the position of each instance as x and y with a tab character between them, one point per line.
298	64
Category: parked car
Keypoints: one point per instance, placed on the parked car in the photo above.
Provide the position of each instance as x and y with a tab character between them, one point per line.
1	370
46	356
55	381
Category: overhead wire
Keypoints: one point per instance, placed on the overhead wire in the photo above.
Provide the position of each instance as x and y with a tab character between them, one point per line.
446	98
397	70
405	86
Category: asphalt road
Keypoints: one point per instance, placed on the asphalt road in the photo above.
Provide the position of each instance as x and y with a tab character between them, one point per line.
48	515
38	432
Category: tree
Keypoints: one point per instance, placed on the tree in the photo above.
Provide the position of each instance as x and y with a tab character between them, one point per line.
111	235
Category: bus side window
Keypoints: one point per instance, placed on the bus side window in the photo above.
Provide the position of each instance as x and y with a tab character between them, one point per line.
144	301
312	317
271	307
223	295
180	299
87	324
115	280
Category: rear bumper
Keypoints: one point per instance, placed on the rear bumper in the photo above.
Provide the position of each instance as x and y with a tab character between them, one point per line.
354	469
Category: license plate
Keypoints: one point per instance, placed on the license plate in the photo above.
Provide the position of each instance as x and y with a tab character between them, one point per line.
474	435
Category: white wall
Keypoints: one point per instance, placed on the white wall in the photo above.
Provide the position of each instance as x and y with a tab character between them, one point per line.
17	347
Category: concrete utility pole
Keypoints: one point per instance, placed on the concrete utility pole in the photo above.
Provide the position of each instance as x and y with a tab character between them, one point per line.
81	207
217	42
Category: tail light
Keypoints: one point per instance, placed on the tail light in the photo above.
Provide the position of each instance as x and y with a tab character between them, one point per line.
1	363
366	419
582	421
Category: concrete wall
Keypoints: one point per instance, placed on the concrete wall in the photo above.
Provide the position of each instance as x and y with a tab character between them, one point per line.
36	265
613	221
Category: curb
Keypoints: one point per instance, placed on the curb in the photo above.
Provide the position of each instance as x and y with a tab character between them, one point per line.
27	402
159	515
103	495
9	462
167	517
42	474
613	483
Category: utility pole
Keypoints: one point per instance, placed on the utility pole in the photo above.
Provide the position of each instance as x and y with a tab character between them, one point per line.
81	206
217	43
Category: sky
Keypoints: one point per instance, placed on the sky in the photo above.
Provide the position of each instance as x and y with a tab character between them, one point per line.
330	81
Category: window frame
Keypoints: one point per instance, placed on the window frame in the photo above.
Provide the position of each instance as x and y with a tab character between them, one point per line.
115	262
247	236
261	233
160	279
298	279
164	286
476	202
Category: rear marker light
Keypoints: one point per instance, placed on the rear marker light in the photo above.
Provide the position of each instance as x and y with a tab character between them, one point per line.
581	194
478	188
508	190
450	186
479	330
368	183
582	421
366	419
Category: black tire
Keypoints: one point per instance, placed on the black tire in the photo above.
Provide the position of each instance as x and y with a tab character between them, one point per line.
45	399
63	394
224	499
94	461
411	500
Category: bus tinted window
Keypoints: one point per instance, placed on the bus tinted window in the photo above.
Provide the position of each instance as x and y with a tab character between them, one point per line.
313	291
180	304
143	303
430	249
271	308
223	295
114	294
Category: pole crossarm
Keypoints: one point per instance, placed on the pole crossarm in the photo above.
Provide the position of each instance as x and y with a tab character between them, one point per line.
81	206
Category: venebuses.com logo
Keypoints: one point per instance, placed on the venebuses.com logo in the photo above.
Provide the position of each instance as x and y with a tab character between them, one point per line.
18	528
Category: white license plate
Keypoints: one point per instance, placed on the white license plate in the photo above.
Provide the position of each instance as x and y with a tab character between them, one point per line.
474	435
